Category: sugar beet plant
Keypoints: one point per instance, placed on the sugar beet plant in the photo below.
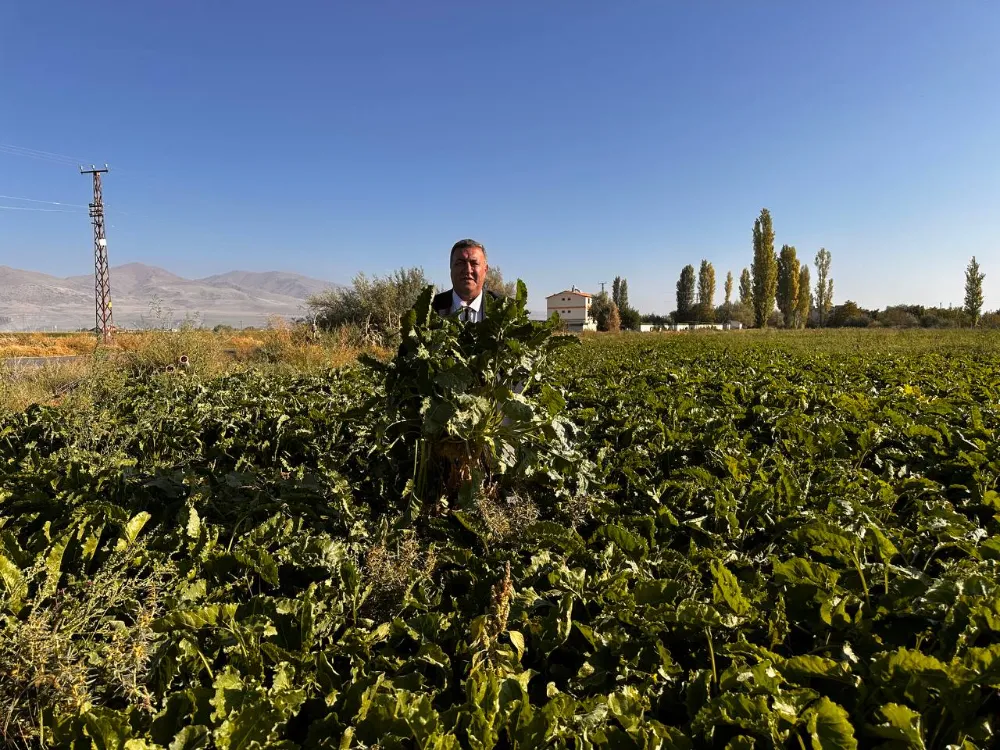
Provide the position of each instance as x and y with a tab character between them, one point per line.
499	541
465	415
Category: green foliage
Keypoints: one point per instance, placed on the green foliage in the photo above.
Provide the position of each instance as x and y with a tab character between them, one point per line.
764	269
605	313
495	282
685	295
803	305
774	540
727	305
974	291
788	285
849	315
629	318
824	285
465	406
706	293
746	289
375	304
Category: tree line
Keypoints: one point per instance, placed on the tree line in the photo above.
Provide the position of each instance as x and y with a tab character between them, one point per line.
777	290
772	280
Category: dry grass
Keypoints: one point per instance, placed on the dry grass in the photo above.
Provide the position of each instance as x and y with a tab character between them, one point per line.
46	345
506	517
73	640
204	354
389	570
24	385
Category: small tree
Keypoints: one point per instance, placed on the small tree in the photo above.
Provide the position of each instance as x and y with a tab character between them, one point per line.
604	312
788	284
746	289
622	300
824	285
685	295
376	305
614	320
804	303
619	292
706	292
974	291
764	269
494	282
728	305
630	318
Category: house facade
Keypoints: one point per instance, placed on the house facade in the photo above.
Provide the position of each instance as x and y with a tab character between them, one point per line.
573	308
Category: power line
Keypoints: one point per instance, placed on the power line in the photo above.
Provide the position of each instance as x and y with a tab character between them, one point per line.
34	153
44	210
36	200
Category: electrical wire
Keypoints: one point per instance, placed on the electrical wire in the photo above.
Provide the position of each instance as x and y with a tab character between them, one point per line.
36	200
34	153
46	210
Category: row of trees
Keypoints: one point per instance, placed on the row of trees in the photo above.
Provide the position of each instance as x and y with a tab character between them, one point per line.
969	315
771	279
375	305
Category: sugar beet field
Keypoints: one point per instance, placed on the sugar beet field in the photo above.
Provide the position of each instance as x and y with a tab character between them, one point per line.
719	541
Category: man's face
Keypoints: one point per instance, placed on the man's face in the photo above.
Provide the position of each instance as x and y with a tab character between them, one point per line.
468	272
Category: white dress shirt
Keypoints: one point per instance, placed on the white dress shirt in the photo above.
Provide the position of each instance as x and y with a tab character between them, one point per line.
475	306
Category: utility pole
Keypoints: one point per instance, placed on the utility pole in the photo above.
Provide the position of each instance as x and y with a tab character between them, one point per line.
602	283
102	275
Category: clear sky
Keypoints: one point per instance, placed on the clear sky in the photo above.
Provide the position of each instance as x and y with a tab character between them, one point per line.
577	140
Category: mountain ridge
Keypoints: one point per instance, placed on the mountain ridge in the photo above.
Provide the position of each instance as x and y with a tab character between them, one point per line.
33	300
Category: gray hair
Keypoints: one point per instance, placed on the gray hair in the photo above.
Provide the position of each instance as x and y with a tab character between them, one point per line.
465	245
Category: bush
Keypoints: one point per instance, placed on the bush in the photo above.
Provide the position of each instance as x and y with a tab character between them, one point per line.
630	319
897	317
376	305
605	313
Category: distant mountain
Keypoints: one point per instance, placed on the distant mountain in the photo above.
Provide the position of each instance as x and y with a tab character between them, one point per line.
132	278
38	301
270	282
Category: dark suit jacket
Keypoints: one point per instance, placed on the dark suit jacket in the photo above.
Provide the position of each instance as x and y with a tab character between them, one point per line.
441	304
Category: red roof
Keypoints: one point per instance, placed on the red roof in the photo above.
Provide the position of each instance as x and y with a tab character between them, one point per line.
569	291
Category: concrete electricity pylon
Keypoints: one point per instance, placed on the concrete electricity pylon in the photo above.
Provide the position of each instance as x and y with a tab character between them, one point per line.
102	274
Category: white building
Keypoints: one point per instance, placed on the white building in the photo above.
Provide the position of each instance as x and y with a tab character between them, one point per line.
573	308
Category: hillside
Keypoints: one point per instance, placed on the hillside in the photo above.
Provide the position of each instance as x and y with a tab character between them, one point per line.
141	293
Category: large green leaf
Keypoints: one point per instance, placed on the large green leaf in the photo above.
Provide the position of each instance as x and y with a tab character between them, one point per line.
199	617
830	726
900	723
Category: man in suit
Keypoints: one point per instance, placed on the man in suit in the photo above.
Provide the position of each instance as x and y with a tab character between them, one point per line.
468	274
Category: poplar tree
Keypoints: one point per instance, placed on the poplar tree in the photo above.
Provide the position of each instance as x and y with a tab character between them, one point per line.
824	285
764	269
685	294
622	300
706	292
746	289
788	284
804	304
974	290
729	295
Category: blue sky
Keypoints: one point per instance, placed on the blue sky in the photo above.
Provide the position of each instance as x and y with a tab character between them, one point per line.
577	140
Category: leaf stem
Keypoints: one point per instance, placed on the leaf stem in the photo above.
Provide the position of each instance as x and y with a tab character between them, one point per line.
711	654
864	583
